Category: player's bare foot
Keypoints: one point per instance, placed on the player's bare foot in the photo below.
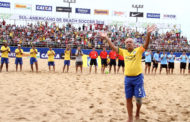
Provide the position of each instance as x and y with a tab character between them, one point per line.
130	120
137	117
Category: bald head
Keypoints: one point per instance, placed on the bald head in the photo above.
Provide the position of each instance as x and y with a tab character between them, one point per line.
129	42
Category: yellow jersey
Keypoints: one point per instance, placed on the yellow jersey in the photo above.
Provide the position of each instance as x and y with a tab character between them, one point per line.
32	54
51	55
133	66
67	55
19	55
6	53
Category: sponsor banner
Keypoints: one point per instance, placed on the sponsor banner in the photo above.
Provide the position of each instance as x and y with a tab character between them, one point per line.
5	4
118	13
136	14
45	56
82	11
63	9
51	19
23	6
153	15
43	8
101	12
169	16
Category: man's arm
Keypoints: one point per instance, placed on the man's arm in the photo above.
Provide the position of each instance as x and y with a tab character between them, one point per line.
104	35
35	51
149	31
21	52
9	50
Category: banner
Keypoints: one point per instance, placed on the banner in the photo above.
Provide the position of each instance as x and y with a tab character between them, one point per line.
136	14
101	12
82	11
5	5
118	13
43	8
168	16
153	15
63	9
86	61
54	19
23	6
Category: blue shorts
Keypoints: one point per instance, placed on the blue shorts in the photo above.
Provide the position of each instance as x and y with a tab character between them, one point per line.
18	61
4	60
67	62
32	60
134	86
51	64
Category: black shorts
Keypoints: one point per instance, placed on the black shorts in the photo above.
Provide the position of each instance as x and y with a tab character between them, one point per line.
164	66
182	65
93	62
148	63
171	65
79	63
189	66
155	64
104	62
112	62
121	63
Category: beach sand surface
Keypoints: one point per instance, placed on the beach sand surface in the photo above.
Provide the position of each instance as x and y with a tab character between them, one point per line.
69	97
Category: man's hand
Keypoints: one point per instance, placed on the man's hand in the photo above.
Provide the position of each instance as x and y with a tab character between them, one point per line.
151	29
104	35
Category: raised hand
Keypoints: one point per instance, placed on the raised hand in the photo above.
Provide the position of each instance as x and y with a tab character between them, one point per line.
103	34
150	29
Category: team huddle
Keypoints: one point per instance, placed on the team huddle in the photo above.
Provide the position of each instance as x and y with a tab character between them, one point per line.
166	61
106	59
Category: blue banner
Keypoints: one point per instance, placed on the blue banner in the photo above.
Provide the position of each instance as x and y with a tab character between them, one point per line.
43	8
153	15
60	51
82	11
5	4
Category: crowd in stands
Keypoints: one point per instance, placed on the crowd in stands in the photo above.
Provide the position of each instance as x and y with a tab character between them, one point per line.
87	36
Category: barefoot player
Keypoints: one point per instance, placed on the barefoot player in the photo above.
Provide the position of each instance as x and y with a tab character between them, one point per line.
156	60
51	55
33	58
18	60
5	50
103	56
93	56
133	71
67	58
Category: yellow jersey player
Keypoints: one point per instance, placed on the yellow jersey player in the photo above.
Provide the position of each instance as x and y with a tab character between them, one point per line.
51	55
5	50
33	58
18	60
67	58
134	84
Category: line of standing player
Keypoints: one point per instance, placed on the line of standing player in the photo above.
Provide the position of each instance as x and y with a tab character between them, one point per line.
5	50
166	61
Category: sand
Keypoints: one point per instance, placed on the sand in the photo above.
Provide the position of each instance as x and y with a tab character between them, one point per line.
70	97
